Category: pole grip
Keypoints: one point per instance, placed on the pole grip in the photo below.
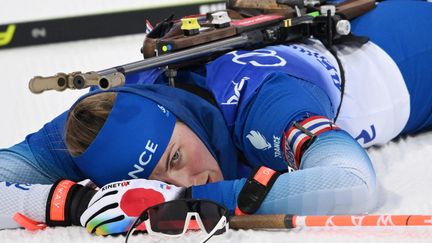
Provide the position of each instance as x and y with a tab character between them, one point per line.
262	221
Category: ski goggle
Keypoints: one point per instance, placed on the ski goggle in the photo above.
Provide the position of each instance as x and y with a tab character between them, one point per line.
175	217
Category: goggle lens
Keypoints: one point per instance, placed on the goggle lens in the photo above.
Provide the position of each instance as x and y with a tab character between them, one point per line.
168	218
210	214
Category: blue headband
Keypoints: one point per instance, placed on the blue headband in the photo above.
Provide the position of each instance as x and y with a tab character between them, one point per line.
130	143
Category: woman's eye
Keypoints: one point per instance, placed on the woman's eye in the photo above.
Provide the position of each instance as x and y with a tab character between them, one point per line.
175	158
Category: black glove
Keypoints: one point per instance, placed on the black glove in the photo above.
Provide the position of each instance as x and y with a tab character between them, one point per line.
66	203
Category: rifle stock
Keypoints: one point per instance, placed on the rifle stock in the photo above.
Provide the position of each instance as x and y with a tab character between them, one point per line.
350	8
354	8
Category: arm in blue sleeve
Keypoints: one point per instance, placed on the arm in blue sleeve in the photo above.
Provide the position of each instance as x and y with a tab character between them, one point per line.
27	199
336	177
41	158
223	192
18	165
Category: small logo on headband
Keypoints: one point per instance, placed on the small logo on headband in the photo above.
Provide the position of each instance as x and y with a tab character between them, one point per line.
144	159
165	111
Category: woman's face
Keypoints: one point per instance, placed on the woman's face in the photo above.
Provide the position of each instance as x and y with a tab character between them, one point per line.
186	160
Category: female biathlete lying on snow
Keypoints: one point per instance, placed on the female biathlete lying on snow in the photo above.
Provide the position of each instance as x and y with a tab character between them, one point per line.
275	107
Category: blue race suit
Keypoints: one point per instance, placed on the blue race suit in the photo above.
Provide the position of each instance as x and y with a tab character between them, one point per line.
335	176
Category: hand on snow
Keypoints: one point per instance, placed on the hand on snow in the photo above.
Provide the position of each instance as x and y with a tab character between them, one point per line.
115	206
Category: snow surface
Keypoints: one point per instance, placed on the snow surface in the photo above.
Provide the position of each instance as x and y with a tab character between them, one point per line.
403	167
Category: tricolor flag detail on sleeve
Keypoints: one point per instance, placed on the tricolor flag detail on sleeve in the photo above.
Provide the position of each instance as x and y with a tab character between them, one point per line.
302	132
149	26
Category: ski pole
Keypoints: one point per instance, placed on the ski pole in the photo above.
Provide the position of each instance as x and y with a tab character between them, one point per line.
286	221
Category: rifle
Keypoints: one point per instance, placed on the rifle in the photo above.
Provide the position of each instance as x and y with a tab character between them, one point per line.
174	44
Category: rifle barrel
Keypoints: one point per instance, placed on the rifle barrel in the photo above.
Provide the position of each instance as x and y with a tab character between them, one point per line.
243	41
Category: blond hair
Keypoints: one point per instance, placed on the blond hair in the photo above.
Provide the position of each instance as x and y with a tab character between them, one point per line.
86	119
